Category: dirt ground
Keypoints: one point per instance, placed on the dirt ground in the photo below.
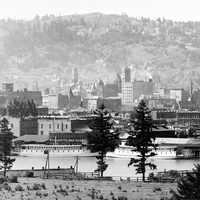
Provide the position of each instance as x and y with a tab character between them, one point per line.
35	189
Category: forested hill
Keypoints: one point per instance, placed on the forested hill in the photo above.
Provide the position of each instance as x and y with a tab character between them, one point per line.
46	49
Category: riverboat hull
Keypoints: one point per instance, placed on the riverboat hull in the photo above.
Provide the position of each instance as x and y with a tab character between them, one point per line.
128	152
55	151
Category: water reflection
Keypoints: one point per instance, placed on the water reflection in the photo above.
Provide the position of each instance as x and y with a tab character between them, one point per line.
117	166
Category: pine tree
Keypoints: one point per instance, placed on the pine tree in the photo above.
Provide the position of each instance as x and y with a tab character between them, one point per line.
5	146
189	186
22	108
103	138
142	139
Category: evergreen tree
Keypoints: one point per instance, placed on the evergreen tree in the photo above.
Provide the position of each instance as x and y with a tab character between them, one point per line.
142	139
5	146
103	138
22	108
188	187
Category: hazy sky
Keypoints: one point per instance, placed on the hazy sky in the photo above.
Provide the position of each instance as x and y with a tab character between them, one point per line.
170	9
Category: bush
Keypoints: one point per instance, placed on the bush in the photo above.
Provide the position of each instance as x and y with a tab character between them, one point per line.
7	187
122	198
119	187
43	186
13	179
2	180
36	186
19	188
157	189
38	194
62	191
189	186
29	174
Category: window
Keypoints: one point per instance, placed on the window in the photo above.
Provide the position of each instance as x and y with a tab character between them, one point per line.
41	132
49	126
41	126
58	126
66	126
11	125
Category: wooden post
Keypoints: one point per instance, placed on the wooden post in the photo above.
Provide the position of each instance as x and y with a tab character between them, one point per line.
47	165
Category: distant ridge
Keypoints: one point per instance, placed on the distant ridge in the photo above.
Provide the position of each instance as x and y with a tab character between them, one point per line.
46	49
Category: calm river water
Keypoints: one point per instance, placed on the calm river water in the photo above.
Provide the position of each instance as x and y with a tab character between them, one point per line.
117	166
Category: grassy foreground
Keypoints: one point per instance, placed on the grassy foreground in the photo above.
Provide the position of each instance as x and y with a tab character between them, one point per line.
35	188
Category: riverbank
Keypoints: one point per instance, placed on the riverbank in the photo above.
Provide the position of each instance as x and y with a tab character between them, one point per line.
51	189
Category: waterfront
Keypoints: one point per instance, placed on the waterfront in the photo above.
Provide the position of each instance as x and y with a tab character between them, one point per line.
117	166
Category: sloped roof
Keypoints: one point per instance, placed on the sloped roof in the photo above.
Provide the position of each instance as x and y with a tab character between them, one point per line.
32	138
161	129
78	110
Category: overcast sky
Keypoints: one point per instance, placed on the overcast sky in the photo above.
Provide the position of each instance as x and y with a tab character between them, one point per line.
183	10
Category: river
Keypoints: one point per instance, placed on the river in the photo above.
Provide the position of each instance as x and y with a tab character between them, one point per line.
117	166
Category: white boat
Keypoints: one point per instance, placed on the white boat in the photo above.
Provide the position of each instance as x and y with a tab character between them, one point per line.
55	150
123	151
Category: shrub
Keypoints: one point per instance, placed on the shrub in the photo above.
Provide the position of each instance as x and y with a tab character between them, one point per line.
156	189
45	194
189	186
19	188
119	187
36	186
13	179
43	186
2	180
38	194
62	191
101	197
29	174
122	198
7	187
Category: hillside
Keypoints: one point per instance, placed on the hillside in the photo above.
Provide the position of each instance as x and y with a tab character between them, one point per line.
45	49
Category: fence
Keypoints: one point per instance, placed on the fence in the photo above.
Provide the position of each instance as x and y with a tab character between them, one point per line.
70	174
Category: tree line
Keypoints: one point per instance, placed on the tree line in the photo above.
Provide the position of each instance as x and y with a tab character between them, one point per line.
22	109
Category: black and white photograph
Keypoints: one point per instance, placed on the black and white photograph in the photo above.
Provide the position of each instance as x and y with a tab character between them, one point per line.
99	99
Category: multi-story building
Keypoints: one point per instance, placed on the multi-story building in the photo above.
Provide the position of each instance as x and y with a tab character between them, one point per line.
127	88
179	94
41	125
162	93
161	103
110	90
91	102
111	103
14	125
7	87
144	88
47	124
188	118
127	93
164	115
20	127
55	101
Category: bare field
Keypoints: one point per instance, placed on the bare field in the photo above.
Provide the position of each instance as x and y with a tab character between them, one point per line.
35	188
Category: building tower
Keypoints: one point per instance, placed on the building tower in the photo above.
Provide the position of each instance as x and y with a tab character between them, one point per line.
127	74
118	81
127	87
75	76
